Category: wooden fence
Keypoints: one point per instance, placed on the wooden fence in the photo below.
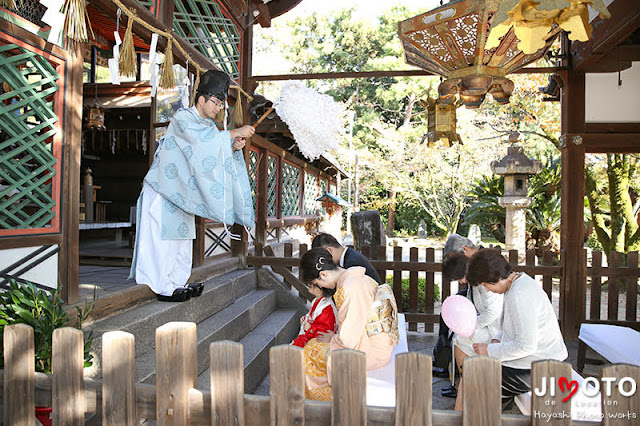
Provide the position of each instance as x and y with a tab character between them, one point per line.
421	306
174	400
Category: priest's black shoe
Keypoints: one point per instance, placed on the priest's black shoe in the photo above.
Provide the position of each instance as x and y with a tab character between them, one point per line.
450	392
440	372
181	294
196	288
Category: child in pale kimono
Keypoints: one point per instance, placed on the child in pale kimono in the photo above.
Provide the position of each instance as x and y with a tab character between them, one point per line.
367	320
321	318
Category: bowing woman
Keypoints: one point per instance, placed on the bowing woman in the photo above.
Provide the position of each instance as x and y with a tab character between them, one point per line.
367	320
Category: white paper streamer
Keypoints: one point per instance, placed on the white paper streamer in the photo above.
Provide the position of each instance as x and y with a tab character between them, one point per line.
54	18
113	62
152	49
315	120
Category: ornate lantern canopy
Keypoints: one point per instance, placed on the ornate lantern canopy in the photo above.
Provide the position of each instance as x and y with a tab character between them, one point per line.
450	41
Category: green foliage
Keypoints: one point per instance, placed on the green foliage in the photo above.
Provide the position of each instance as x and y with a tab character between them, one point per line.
422	283
43	311
484	209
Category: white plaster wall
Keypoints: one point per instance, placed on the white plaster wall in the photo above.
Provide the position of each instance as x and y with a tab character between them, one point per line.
46	273
606	102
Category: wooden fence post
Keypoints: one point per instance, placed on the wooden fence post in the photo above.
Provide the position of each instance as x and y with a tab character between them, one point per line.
413	287
382	255
547	280
288	252
413	389
482	384
613	287
397	277
19	376
67	391
226	372
286	368
544	407
620	409
349	386
175	371
118	379
429	288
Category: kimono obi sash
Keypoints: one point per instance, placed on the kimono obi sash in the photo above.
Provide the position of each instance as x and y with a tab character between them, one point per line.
383	316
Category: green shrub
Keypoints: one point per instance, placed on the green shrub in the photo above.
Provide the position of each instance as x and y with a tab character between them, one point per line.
43	311
422	283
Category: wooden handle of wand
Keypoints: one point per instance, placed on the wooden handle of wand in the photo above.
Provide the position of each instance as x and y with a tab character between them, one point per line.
261	119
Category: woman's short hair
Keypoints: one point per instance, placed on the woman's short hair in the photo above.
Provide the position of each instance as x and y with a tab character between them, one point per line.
487	266
454	266
316	260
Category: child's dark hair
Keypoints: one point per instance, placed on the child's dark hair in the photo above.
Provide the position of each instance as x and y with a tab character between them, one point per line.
488	266
454	266
316	260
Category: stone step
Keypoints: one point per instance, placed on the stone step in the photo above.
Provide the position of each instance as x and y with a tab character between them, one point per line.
219	293
231	323
277	329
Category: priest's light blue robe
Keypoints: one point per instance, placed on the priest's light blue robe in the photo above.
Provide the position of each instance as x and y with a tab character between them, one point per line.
195	172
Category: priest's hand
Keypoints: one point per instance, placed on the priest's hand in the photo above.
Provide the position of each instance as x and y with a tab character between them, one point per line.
325	337
242	132
239	143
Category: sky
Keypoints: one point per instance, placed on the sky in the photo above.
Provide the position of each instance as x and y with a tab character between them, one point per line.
270	63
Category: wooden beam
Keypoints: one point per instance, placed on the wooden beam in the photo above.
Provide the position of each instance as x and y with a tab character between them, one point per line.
612	127
165	12
607	34
29	241
379	74
606	142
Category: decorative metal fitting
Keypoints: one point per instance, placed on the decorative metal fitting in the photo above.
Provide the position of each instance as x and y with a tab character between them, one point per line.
577	140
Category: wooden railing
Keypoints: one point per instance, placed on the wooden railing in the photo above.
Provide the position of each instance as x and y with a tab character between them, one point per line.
622	279
174	400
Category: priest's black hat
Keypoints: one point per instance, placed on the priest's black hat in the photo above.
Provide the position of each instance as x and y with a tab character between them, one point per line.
214	83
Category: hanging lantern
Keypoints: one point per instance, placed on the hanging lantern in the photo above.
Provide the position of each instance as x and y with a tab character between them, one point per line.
441	121
450	41
96	118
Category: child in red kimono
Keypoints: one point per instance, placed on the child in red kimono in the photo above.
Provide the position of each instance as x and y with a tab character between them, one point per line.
320	319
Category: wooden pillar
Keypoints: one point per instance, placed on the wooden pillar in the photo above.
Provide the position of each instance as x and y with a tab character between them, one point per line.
572	291
69	259
261	204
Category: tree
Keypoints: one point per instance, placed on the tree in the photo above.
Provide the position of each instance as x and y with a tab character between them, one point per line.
614	202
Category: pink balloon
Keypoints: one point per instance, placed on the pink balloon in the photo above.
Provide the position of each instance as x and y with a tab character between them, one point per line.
459	314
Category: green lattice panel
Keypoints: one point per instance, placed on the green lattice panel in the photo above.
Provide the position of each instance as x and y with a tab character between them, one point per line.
253	176
27	126
311	193
272	186
290	190
323	189
202	23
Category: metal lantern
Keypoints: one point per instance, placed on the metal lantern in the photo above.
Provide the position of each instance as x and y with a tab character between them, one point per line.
450	41
441	121
96	118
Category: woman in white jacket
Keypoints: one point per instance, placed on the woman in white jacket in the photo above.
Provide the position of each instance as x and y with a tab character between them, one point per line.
488	307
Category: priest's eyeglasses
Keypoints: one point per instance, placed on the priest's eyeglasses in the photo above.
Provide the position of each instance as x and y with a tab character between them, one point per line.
217	102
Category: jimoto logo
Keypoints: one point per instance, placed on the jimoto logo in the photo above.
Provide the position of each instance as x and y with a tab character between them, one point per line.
590	386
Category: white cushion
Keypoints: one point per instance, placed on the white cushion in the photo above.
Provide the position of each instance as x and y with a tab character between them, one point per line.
617	344
381	382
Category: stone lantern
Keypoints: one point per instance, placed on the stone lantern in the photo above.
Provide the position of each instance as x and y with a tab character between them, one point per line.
516	168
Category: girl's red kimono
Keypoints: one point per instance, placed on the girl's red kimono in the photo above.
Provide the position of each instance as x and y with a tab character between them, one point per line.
320	319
